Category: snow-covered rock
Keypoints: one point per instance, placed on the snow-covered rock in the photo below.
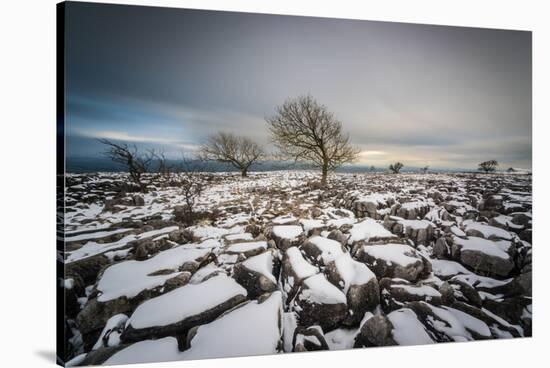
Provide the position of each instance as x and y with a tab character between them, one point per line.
393	260
183	308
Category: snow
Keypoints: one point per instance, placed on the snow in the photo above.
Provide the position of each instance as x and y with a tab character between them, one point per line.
300	266
92	248
246	247
341	338
353	272
175	305
420	290
95	235
445	268
414	205
116	321
148	351
287	231
376	198
320	291
456	324
129	278
205	232
330	249
284	219
407	329
392	253
68	283
263	264
367	229
337	223
456	231
289	325
413	224
309	224
241	236
204	272
480	281
251	329
487	230
488	247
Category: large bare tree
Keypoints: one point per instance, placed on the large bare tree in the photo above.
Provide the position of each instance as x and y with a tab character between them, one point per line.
240	152
136	163
305	131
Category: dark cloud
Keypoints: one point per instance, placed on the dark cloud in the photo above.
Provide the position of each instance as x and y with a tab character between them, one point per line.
413	92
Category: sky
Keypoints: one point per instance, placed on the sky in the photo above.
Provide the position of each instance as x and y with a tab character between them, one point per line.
447	97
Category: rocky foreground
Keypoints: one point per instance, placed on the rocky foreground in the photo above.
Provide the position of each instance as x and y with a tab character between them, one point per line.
275	263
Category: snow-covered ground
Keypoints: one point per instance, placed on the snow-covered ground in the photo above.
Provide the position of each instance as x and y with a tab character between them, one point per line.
275	263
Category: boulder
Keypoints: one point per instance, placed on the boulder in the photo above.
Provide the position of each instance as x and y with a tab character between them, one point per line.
309	339
256	274
320	251
318	302
486	257
396	293
358	283
286	236
393	261
154	319
294	270
376	331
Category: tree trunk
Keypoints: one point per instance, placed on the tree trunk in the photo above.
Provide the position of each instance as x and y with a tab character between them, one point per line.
244	171
325	172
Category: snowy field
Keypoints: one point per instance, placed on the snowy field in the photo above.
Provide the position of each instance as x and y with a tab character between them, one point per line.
275	263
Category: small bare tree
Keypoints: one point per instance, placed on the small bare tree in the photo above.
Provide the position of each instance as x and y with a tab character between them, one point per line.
396	167
305	131
424	169
190	181
240	152
136	163
488	166
163	167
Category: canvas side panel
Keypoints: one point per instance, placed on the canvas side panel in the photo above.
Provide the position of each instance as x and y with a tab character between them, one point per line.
61	336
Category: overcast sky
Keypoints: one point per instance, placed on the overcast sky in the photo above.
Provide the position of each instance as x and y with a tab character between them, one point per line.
447	97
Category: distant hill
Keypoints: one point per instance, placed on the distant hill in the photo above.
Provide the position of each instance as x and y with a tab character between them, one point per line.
93	164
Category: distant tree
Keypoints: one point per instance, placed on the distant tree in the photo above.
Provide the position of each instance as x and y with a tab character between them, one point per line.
511	170
136	163
396	167
240	152
424	169
305	131
488	166
372	169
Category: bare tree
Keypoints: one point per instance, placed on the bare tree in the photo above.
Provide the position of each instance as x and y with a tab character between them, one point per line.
424	169
305	131
372	169
136	163
488	166
240	152
190	181
396	167
163	167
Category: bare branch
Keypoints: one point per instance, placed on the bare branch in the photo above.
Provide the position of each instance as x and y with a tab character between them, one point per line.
136	163
305	131
240	152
